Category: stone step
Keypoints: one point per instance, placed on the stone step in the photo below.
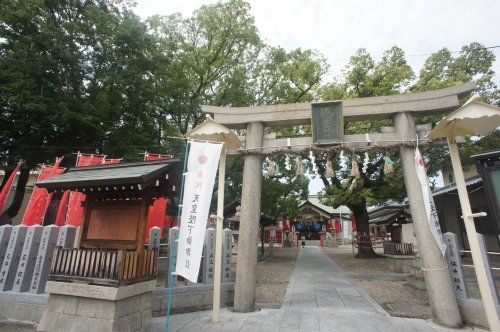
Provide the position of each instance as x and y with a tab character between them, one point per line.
417	272
418	283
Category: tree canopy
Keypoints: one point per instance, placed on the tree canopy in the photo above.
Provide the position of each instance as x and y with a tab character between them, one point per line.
91	76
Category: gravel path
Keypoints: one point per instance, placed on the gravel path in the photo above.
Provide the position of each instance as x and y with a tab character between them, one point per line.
273	275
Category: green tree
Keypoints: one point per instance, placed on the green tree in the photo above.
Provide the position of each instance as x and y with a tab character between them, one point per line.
363	77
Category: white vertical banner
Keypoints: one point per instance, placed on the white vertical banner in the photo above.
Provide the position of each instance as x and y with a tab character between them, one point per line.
198	187
430	208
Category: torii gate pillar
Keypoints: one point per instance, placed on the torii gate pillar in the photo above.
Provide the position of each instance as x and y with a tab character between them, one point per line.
437	276
246	274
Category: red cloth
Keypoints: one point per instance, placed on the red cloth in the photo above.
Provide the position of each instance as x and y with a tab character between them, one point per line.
156	212
40	198
6	189
150	157
353	223
112	161
75	209
337	226
62	210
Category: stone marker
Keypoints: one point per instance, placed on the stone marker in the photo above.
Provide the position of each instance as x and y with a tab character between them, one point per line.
173	233
12	255
226	255
77	237
66	237
24	274
455	265
5	231
209	262
154	238
486	260
44	258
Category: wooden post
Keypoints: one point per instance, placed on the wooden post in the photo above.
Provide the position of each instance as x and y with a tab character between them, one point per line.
475	248
218	237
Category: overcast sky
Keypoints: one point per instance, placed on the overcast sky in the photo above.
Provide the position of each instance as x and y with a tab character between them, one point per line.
337	28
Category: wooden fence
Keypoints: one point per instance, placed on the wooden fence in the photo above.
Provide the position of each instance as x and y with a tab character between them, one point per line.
103	266
398	248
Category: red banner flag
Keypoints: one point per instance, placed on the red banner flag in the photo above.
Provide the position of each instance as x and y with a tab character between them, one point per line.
62	210
156	212
6	188
40	198
75	209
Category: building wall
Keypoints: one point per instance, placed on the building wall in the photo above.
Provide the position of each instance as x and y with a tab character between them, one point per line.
408	234
448	208
449	177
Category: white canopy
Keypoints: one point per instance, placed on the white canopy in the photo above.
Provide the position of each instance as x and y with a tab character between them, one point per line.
473	118
210	130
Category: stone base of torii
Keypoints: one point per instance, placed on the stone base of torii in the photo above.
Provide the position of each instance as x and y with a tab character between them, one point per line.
399	108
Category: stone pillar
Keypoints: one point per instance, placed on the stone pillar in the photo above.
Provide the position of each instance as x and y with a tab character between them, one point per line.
77	237
455	265
12	256
5	231
437	277
28	257
44	259
67	236
209	261
154	238
246	269
173	233
226	255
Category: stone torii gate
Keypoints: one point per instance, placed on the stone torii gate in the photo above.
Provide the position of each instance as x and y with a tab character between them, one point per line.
399	108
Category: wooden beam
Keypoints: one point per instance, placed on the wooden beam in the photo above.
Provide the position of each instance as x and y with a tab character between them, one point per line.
369	108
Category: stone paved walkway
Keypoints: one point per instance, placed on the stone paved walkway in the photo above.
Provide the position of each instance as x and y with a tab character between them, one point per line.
318	298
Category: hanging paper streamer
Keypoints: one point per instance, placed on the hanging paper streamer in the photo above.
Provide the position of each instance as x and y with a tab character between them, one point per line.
355	168
300	168
276	169
365	162
313	162
270	169
388	167
343	162
288	166
330	173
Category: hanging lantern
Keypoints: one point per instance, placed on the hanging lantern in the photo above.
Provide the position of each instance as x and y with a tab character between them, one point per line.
388	167
355	168
300	168
365	162
330	172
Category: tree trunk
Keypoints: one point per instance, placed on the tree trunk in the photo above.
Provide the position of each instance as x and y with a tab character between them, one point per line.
13	209
364	243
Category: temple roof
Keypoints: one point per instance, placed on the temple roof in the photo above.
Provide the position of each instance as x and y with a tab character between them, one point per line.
136	174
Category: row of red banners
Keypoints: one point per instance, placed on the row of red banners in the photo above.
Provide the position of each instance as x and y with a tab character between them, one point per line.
70	210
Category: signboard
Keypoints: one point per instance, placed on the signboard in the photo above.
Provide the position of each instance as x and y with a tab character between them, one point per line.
272	235
327	123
